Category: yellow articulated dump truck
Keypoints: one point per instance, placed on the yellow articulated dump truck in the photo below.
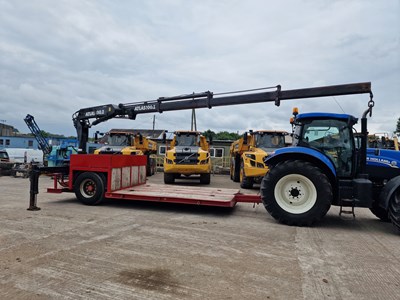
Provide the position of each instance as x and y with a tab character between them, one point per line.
248	153
127	143
187	155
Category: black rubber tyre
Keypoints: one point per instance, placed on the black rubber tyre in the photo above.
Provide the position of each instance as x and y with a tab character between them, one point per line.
150	166
296	193
205	178
380	212
89	188
394	209
169	178
245	182
236	169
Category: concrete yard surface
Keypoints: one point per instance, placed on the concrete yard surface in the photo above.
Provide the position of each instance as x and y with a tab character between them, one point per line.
143	250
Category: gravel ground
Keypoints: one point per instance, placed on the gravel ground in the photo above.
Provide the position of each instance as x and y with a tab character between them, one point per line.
139	250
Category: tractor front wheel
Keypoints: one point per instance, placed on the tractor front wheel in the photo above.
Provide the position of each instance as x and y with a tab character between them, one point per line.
296	193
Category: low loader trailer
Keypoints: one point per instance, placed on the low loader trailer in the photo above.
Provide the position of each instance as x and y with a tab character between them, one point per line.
94	178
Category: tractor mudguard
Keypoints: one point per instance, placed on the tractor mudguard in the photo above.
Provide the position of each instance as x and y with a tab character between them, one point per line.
303	153
387	192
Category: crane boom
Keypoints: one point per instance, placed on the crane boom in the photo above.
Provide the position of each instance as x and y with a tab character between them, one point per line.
37	133
206	99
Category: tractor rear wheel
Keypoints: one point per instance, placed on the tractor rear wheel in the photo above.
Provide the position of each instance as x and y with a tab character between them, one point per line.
380	212
296	193
89	188
394	209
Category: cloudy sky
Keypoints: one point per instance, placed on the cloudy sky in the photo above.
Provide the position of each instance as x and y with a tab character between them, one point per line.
57	57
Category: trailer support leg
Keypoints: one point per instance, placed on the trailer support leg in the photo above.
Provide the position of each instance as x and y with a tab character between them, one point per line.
34	179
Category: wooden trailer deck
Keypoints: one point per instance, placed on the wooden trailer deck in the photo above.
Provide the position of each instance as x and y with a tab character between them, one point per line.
184	195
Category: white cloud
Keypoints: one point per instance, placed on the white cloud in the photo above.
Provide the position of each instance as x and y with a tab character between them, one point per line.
58	57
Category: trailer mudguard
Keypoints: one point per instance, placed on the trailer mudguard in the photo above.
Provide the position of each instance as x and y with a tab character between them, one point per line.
388	191
304	153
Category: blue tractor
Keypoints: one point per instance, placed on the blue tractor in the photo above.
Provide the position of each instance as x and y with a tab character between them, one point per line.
325	167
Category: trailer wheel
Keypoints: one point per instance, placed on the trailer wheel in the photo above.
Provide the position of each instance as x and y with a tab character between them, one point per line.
205	178
296	193
394	209
245	182
169	178
89	188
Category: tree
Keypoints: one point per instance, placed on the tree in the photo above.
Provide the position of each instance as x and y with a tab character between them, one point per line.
223	135
209	134
398	125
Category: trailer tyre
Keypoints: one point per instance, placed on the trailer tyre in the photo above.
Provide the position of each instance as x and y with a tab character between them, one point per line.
89	188
394	209
296	193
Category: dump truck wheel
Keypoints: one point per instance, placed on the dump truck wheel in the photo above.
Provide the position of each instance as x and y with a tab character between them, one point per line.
380	212
236	169
169	178
89	188
205	178
245	182
394	209
296	193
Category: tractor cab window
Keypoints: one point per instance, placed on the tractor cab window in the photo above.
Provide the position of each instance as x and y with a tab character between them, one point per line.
333	138
270	141
186	140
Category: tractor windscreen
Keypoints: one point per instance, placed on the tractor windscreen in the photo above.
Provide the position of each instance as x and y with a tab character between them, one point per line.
330	136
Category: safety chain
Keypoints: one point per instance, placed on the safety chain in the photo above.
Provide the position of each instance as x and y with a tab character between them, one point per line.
371	103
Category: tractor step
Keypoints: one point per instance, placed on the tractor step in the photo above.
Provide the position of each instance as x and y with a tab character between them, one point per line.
349	204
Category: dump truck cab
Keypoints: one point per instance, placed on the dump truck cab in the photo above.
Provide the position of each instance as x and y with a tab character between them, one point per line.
248	154
188	155
116	141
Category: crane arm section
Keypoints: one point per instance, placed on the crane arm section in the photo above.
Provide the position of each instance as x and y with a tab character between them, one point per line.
206	99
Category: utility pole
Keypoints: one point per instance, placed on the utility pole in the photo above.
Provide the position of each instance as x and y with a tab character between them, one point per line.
193	125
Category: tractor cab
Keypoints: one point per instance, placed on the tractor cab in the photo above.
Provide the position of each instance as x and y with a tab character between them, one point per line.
331	134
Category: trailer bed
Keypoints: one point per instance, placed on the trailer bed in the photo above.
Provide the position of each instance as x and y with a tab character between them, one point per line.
184	194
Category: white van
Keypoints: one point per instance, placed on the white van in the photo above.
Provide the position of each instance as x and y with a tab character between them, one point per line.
21	155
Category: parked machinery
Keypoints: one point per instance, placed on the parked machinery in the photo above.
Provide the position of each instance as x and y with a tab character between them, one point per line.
324	168
54	156
189	154
248	153
127	143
